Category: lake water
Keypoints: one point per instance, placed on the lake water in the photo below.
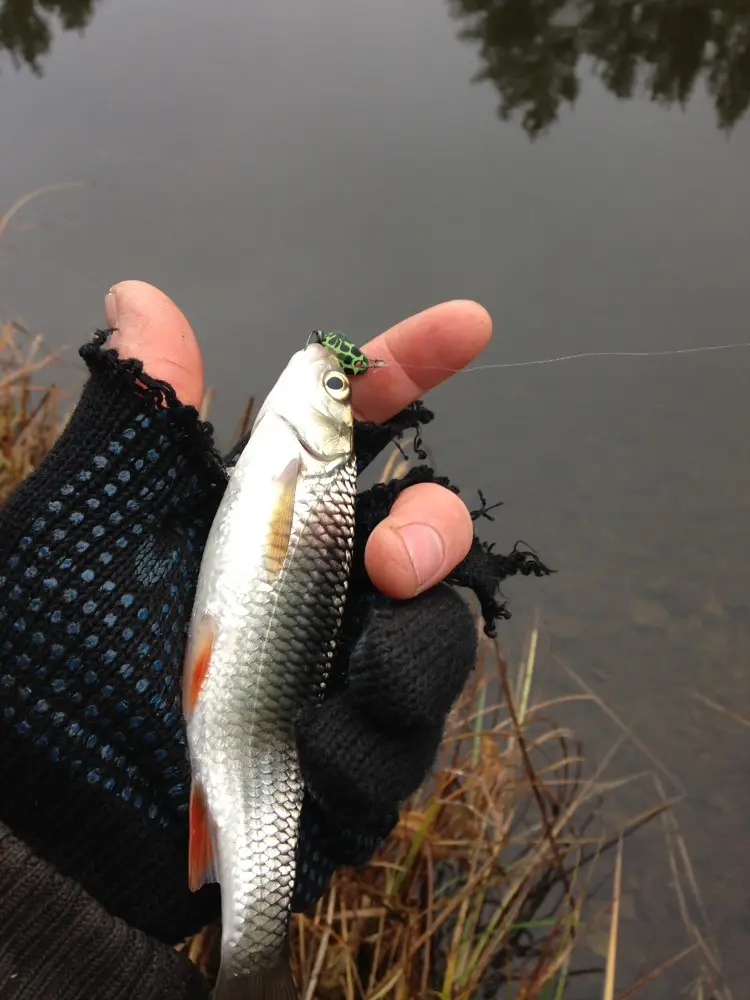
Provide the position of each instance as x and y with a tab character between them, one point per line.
282	166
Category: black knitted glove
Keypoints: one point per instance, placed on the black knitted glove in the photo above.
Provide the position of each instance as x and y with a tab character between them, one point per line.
99	556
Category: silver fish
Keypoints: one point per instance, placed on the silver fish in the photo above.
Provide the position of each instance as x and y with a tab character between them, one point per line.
267	611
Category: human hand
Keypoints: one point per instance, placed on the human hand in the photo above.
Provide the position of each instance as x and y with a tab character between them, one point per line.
429	530
100	551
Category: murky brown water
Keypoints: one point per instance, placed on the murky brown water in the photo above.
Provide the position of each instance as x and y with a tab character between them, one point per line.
280	166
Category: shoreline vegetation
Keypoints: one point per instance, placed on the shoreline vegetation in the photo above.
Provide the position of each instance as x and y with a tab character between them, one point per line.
501	878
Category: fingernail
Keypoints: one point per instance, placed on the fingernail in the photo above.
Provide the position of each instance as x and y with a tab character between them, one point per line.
426	551
110	308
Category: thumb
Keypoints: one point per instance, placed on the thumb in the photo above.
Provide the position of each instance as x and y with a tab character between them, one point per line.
150	327
426	535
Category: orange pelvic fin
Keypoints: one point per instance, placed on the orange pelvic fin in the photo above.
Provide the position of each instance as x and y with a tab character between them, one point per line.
197	663
201	859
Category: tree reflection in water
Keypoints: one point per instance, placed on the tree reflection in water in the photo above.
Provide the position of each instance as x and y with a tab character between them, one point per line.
27	27
532	51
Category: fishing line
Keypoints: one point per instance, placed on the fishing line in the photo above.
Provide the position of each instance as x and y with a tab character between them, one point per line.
354	361
571	357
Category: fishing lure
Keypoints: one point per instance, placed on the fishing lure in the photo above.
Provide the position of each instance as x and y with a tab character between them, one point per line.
352	359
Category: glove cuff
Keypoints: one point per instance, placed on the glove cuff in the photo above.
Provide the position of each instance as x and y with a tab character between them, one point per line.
58	944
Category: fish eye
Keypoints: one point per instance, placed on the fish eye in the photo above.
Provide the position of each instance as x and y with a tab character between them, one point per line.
337	386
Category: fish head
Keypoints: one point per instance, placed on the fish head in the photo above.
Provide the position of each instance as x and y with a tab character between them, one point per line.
313	396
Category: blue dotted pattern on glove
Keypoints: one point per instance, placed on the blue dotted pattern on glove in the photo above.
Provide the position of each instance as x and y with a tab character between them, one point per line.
111	598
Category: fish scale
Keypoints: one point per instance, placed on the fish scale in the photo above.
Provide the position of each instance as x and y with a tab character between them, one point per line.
268	608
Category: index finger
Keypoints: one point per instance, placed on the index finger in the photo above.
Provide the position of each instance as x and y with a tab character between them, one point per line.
420	353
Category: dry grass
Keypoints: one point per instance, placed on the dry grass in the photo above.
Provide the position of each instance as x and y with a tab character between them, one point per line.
480	890
466	876
30	416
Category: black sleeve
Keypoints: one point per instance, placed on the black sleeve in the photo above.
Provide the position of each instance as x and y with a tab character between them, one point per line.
58	944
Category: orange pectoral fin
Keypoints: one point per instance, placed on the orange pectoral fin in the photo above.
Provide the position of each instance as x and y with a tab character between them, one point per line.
196	665
201	861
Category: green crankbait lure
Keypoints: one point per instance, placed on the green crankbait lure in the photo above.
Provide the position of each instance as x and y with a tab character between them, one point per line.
351	358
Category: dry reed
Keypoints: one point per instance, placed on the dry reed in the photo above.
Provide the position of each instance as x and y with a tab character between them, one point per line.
30	417
479	891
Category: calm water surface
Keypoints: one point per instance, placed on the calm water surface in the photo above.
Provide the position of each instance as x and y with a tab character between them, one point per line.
282	166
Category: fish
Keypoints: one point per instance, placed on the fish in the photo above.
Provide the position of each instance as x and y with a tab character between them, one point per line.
263	629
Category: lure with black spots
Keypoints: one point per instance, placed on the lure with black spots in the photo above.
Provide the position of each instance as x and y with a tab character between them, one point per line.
352	359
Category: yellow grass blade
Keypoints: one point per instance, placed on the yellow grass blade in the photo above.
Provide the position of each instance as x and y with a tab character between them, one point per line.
16	207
